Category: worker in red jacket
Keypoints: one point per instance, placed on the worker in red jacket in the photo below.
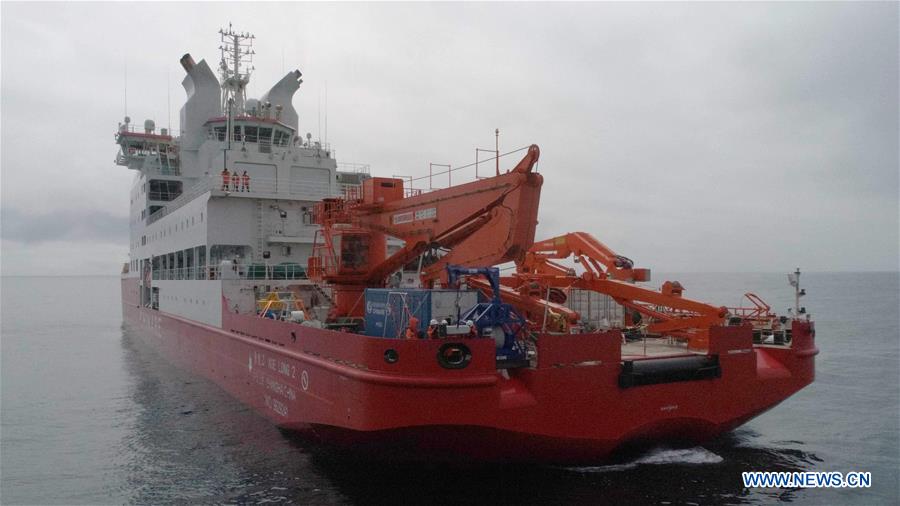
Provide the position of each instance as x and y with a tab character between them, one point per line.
226	180
473	330
245	179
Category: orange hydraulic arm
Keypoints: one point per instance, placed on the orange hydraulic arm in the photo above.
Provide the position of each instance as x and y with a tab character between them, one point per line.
684	317
485	222
613	275
591	253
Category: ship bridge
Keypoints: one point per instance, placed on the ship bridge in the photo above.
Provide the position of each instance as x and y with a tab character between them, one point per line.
251	132
147	150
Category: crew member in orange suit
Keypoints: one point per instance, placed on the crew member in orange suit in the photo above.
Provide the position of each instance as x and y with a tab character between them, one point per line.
412	332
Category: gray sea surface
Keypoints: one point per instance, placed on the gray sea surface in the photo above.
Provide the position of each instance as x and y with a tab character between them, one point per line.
91	415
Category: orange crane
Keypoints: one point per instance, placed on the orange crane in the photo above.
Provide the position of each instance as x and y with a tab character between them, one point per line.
609	273
482	223
587	250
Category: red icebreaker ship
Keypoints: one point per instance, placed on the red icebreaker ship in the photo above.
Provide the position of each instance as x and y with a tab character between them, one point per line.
373	316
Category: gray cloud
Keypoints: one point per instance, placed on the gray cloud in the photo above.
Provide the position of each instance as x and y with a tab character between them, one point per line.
689	136
58	225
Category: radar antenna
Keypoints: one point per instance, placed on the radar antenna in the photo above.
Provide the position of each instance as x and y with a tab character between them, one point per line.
236	66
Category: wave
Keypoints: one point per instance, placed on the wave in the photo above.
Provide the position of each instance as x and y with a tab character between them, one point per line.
658	456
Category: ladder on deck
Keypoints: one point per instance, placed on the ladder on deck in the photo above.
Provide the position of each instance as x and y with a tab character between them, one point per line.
321	291
259	232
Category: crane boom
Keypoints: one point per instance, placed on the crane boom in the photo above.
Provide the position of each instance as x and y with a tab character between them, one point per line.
485	222
614	275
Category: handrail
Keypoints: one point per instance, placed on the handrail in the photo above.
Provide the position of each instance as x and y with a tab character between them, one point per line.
133	128
257	185
359	168
283	271
193	192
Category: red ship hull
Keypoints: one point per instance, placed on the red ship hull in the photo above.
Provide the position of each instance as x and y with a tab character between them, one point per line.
569	408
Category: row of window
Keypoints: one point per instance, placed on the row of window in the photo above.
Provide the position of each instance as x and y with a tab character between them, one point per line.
164	189
264	136
160	189
184	300
188	263
191	263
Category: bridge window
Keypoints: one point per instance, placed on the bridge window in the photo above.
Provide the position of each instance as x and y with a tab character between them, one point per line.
165	190
281	138
265	140
251	134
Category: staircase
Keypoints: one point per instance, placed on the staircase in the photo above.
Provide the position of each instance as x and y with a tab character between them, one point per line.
325	295
260	233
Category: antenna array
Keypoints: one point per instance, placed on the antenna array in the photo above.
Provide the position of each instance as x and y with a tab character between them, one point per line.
235	66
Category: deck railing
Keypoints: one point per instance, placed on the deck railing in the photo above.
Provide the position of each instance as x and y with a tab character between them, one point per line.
257	186
136	128
284	271
193	192
359	168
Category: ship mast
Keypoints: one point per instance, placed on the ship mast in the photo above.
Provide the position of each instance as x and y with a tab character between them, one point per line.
794	280
235	67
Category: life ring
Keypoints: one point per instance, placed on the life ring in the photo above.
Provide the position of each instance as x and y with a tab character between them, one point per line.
454	356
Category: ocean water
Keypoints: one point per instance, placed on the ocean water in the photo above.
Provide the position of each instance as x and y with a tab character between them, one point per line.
90	415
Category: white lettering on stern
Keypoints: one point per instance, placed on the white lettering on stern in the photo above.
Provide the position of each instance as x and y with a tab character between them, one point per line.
268	374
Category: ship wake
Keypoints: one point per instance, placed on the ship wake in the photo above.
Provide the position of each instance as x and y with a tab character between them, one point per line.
658	456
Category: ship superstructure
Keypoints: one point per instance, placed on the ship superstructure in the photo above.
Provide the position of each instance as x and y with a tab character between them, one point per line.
366	313
187	217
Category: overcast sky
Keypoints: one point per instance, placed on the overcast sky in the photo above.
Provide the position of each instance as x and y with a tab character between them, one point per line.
689	137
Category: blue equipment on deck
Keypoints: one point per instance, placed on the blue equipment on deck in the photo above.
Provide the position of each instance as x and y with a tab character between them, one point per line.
495	318
388	310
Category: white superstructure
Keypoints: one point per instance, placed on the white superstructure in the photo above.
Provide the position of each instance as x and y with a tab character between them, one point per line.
191	225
